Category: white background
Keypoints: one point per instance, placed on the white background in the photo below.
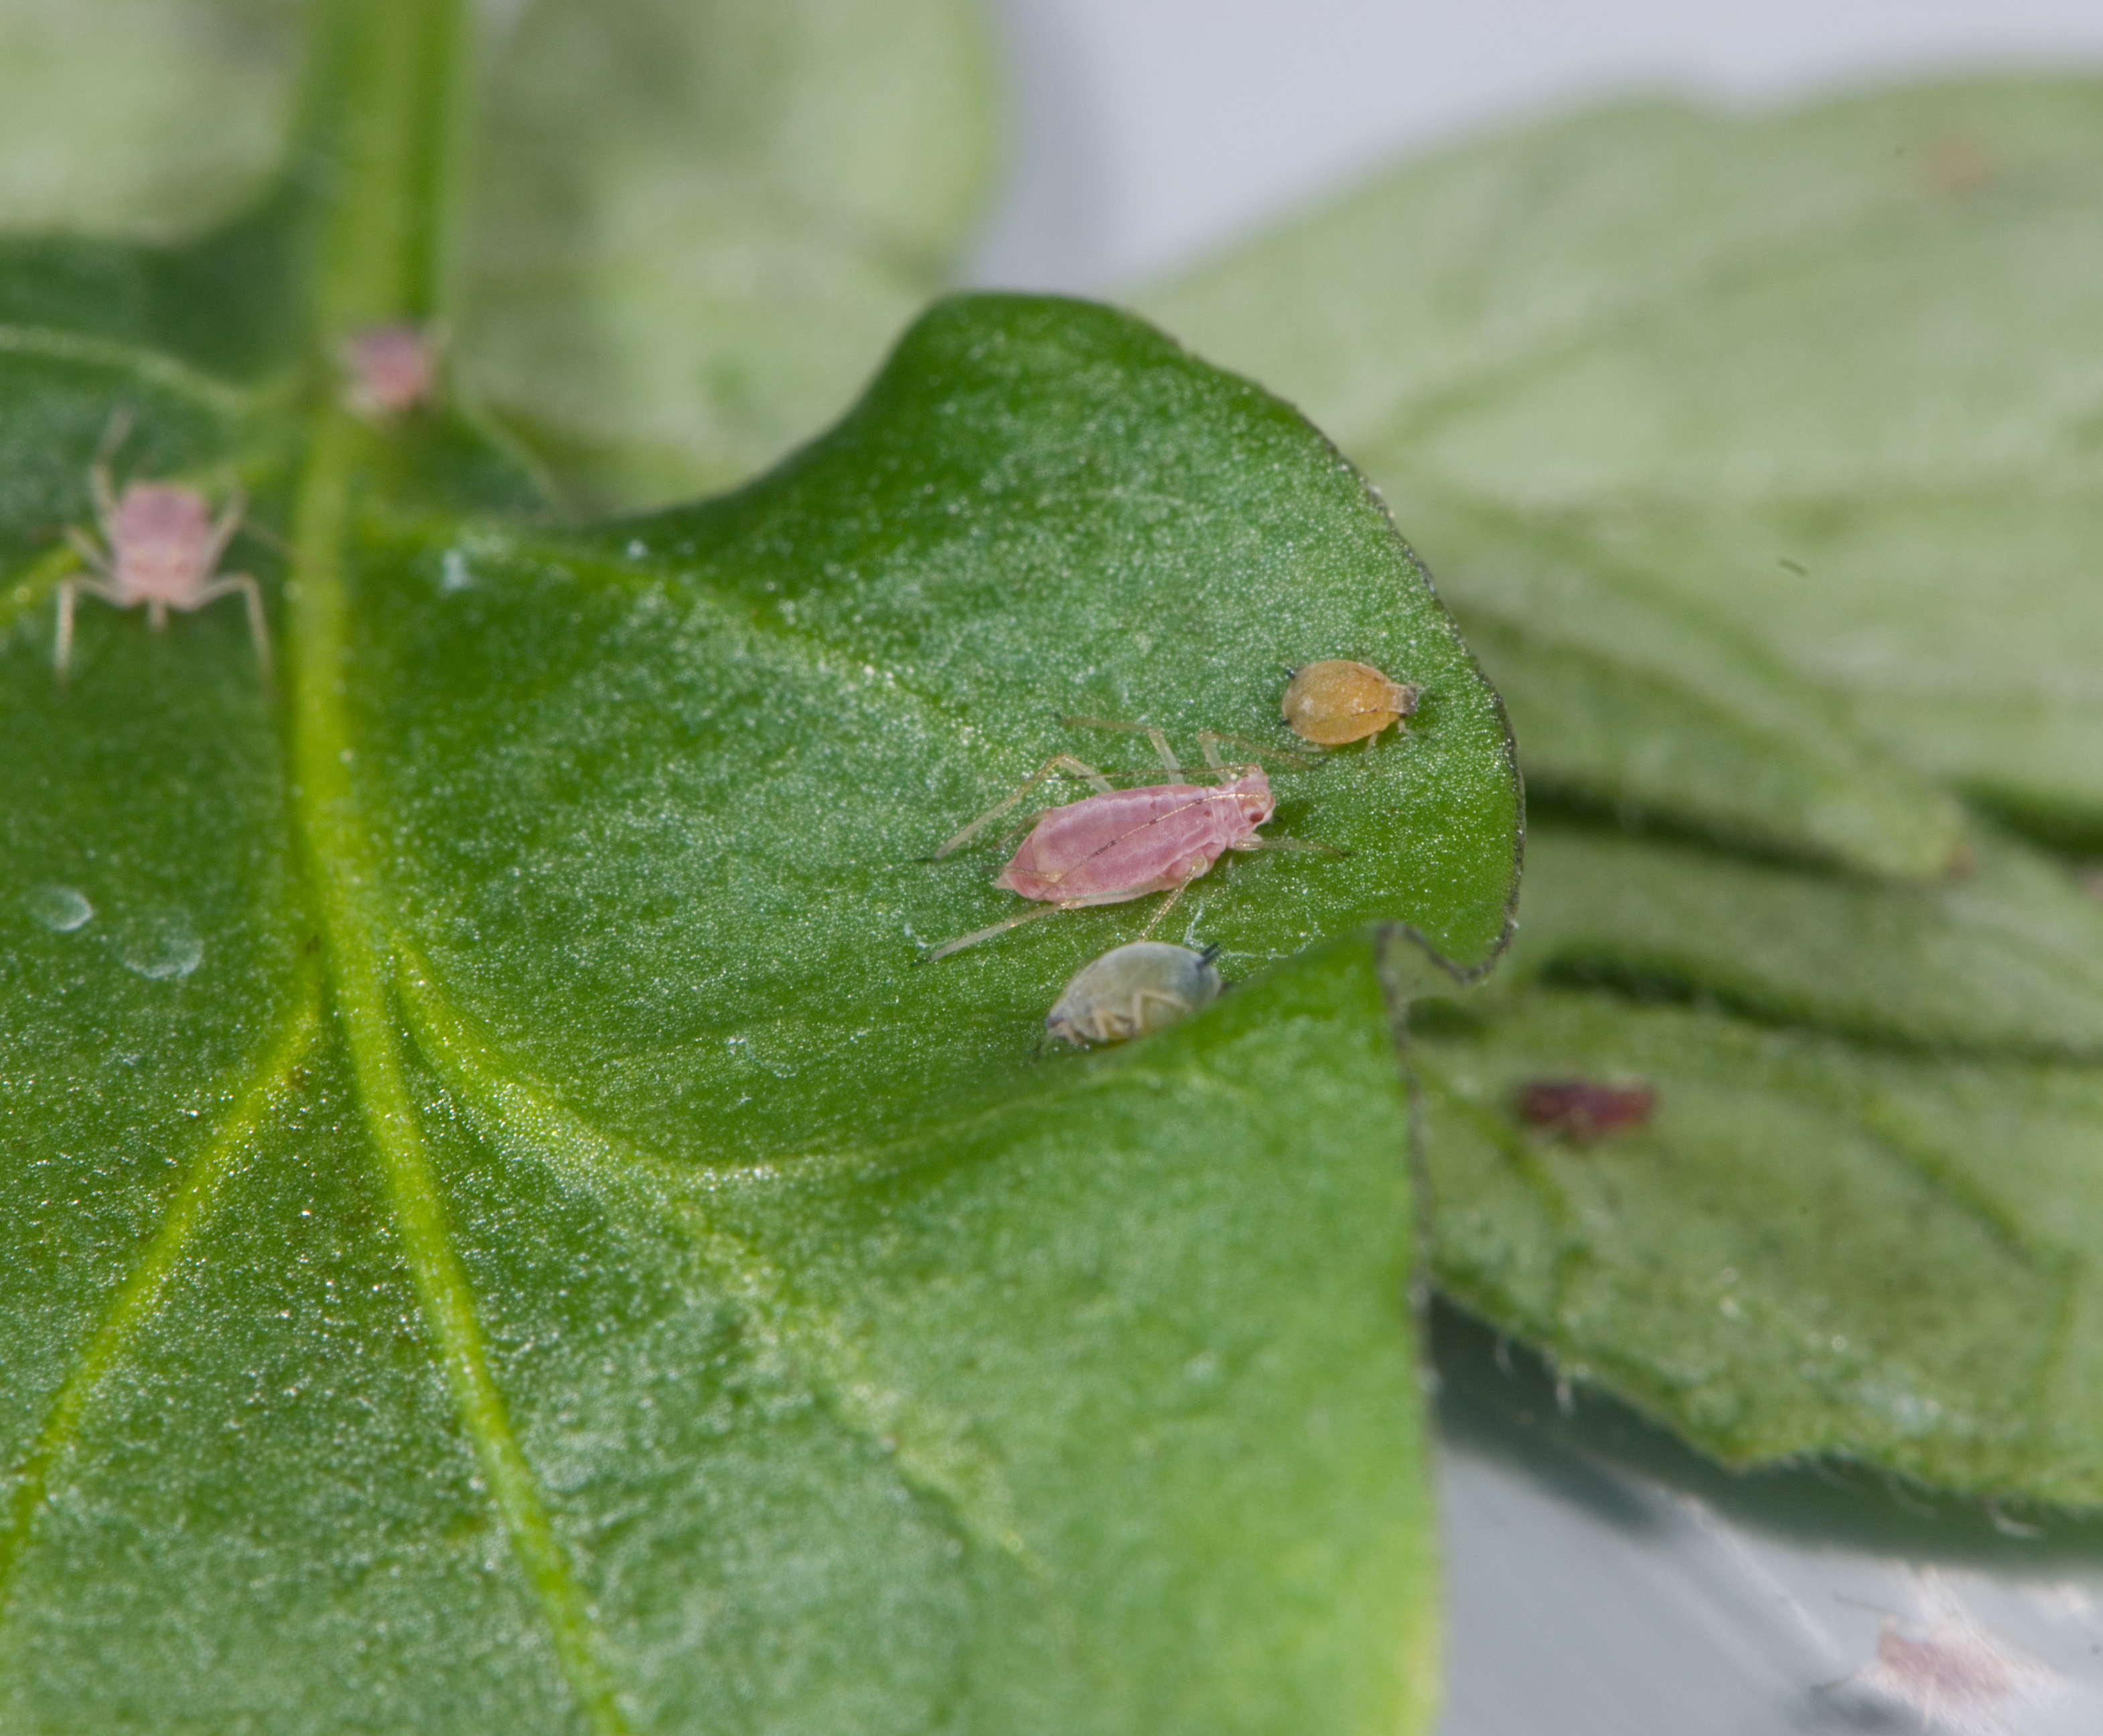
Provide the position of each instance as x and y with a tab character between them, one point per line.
1152	129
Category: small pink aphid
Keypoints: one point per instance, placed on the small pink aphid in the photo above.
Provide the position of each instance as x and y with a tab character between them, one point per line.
389	369
162	550
1958	1678
1120	844
1584	1110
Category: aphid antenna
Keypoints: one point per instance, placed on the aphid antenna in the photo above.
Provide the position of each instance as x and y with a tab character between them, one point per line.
1207	739
269	538
1299	762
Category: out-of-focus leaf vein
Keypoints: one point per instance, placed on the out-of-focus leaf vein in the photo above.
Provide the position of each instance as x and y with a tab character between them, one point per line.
929	1445
252	1096
151	367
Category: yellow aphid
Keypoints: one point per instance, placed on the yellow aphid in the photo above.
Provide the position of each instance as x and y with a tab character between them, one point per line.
1133	990
1337	701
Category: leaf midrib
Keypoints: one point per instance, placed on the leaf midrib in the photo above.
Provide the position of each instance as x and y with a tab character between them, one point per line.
346	885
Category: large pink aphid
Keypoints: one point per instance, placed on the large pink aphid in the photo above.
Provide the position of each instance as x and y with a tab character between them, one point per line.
1120	844
160	548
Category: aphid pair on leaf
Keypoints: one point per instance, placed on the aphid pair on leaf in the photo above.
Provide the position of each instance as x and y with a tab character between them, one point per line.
1120	844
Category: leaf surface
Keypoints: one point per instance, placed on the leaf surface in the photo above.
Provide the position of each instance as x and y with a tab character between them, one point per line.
1757	452
1827	375
1811	1247
700	227
501	1227
2007	957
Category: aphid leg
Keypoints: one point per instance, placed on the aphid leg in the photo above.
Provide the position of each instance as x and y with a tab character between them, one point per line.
1168	904
98	473
1056	763
156	615
62	652
1160	742
89	551
972	939
1210	739
222	532
62	648
258	630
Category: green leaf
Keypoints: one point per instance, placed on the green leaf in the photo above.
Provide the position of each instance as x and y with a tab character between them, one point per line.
2008	956
1636	702
1757	453
500	1227
1810	1248
146	119
700	227
1825	376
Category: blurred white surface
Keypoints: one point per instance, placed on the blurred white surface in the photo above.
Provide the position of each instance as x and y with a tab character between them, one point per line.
1153	129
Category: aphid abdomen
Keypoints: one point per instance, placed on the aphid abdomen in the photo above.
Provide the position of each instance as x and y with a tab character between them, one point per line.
1110	849
1131	991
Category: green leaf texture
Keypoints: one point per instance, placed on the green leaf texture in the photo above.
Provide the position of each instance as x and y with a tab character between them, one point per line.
1812	1248
501	1226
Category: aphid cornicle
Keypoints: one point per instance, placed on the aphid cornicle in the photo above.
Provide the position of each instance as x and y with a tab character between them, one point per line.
1133	990
1333	702
1120	844
160	548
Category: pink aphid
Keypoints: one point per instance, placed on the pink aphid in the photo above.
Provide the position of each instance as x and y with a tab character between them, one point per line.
160	547
1584	1110
1120	844
389	369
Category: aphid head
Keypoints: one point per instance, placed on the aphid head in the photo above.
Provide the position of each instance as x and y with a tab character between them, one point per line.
1252	792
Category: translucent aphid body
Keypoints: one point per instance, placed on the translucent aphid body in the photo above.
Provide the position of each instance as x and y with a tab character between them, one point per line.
160	548
1120	844
1584	1110
1131	991
1337	701
389	369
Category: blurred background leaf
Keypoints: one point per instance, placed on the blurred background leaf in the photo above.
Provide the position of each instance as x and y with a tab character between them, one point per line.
1757	454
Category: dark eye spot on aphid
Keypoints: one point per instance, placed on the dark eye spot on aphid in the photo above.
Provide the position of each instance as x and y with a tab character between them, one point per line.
1584	1110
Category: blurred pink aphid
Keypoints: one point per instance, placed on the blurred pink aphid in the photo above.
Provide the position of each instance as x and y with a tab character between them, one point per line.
1120	844
1958	1677
389	369
160	547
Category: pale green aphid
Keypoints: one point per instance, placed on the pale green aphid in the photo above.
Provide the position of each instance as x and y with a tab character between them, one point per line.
1132	989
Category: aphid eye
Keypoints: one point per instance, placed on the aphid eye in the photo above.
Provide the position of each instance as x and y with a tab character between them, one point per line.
1333	702
1584	1110
1132	991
